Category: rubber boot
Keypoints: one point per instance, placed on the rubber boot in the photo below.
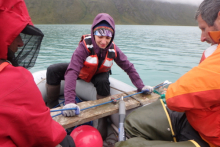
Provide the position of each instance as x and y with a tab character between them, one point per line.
53	92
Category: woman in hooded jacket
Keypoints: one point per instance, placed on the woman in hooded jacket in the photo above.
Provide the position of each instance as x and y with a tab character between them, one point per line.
91	62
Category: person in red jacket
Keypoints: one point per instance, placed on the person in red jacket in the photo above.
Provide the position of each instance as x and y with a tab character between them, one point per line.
25	119
193	101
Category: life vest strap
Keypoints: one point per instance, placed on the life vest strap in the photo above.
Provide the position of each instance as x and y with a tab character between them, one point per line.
3	65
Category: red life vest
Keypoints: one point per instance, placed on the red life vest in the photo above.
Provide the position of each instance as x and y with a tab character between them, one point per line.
90	66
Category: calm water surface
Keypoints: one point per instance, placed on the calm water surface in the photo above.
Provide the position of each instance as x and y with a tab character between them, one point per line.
158	52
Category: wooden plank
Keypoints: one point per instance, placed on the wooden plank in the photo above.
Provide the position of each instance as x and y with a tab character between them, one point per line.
103	110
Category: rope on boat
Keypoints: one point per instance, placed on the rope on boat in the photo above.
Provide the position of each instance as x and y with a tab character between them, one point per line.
60	103
162	96
142	104
101	103
42	79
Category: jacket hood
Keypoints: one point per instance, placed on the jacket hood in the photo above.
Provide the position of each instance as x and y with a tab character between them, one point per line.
215	36
14	18
102	17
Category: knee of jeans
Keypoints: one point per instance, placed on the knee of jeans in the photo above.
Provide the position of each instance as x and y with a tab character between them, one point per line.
51	69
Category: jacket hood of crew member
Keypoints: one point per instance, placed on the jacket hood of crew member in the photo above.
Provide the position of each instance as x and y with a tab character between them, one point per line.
102	17
14	18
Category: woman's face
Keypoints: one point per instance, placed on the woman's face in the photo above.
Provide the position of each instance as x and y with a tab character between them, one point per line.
102	41
16	43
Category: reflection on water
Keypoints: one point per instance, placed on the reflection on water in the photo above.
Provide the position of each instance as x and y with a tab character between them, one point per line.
159	53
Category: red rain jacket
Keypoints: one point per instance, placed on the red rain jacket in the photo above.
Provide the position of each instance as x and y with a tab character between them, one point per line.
24	118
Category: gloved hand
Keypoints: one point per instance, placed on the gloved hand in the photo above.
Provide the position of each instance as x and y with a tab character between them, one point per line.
147	89
71	112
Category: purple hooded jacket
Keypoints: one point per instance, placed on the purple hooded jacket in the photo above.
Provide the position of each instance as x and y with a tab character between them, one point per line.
81	53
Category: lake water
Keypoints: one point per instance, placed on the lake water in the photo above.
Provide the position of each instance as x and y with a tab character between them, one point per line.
158	53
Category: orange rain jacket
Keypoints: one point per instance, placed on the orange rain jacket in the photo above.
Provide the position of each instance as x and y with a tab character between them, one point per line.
197	93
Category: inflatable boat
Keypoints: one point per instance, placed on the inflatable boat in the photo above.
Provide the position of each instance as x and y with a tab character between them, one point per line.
83	89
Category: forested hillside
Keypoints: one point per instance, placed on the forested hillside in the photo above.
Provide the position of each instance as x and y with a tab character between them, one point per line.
148	12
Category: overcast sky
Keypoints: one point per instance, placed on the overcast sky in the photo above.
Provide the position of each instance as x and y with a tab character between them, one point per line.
194	2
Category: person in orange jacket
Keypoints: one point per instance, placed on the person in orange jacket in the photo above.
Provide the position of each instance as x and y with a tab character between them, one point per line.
197	93
25	119
191	117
